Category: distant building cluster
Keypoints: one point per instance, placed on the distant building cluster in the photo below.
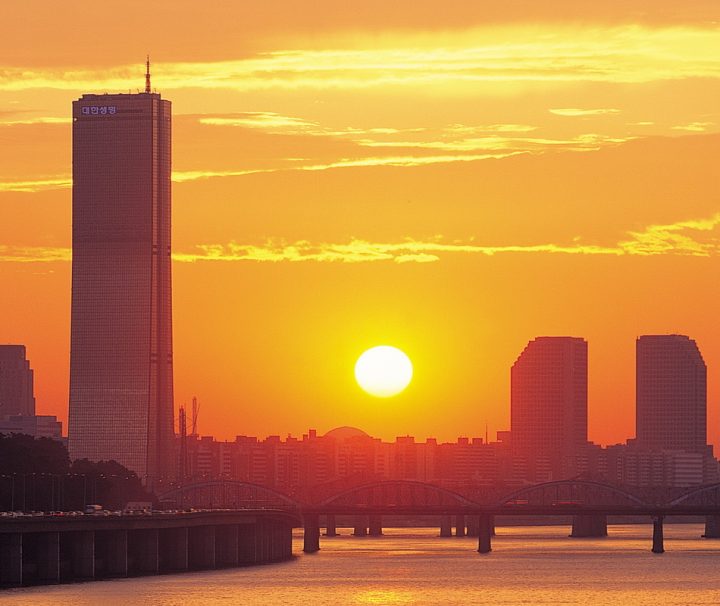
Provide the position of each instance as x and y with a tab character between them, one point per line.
547	439
17	397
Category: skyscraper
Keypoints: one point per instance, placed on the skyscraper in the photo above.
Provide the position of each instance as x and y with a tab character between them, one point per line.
671	394
121	366
548	405
16	382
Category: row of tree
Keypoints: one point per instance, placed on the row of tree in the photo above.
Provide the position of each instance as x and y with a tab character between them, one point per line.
36	475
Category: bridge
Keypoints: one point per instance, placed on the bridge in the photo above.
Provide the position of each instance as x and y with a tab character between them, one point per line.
474	508
52	549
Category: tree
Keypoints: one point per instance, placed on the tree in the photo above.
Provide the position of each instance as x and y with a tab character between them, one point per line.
36	474
110	484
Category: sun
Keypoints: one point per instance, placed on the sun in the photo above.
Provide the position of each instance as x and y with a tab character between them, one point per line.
383	371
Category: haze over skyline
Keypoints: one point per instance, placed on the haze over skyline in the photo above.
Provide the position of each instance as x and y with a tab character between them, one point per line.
451	184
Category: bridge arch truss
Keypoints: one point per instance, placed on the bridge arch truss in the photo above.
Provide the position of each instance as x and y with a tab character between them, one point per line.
398	494
569	493
228	494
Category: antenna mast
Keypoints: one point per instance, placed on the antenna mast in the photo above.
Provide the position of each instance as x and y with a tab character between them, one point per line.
183	445
147	75
195	413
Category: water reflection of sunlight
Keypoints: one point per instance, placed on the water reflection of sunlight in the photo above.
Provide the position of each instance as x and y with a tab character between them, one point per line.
385	596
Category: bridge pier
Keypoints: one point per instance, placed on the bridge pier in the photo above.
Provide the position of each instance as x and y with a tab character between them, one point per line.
485	532
80	547
658	543
445	526
330	527
288	545
48	557
263	545
247	548
375	526
201	547
267	542
226	545
11	559
460	525
111	553
361	526
173	549
712	527
143	552
584	525
473	526
311	533
278	553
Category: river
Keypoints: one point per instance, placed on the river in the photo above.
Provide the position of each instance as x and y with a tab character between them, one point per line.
528	566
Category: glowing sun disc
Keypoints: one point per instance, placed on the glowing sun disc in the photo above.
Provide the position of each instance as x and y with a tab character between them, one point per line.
383	371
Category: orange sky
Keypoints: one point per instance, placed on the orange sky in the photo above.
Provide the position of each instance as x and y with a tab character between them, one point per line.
454	182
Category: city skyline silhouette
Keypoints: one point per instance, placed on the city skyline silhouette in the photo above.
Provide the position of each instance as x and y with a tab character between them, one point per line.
359	302
306	232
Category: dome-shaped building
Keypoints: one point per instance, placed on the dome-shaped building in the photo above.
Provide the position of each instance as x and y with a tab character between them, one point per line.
345	433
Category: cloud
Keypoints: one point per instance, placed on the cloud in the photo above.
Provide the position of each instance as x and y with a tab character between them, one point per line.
674	238
35	185
274	123
267	121
445	61
363	251
65	181
679	238
30	121
694	127
585	142
683	238
34	254
463	129
574	111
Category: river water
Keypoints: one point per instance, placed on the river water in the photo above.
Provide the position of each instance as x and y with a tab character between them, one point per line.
528	566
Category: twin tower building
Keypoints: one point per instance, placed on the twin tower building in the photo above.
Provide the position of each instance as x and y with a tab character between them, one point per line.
549	401
121	361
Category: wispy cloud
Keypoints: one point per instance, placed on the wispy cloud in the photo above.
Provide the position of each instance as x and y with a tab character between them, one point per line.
30	121
274	123
65	181
363	251
574	111
549	54
267	121
675	238
35	185
464	129
683	238
585	142
34	254
694	127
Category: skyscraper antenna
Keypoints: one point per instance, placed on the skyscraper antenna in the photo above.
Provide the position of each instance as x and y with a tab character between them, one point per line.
147	75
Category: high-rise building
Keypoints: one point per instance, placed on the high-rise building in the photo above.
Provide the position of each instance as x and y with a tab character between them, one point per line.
548	406
121	366
671	394
16	382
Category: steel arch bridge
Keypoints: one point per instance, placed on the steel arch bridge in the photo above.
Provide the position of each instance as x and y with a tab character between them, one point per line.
228	494
578	493
397	494
702	498
419	497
